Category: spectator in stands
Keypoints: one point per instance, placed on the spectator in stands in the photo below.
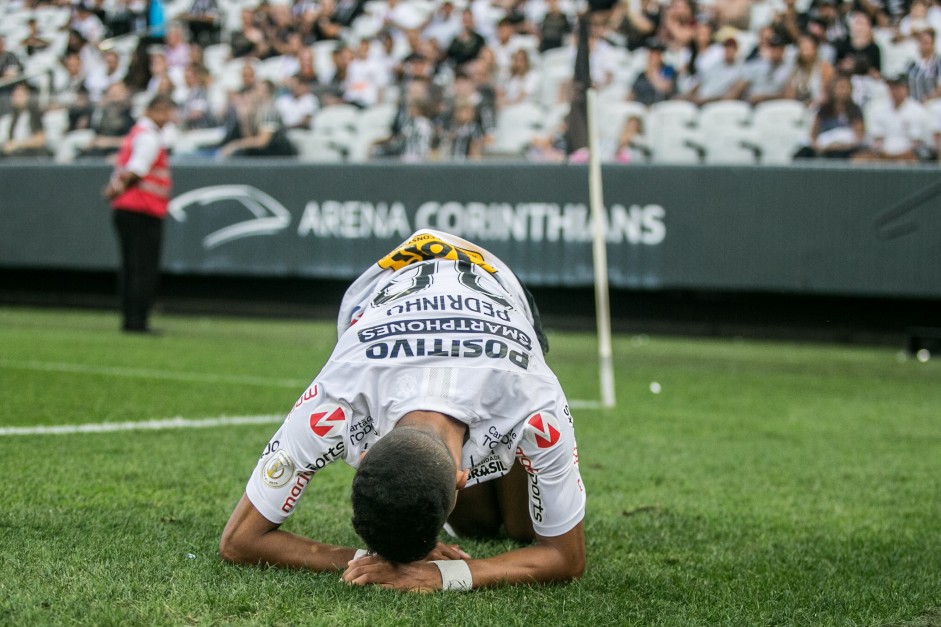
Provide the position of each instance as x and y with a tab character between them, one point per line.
195	109
111	120
636	25
24	136
522	85
101	77
418	132
924	73
705	49
789	22
859	46
255	130
298	106
678	27
125	17
554	28
336	81
33	42
838	130
325	27
10	65
898	129
826	23
345	12
811	74
280	30
719	80
288	62
767	77
464	138
466	46
87	24
922	15
658	80
486	100
176	50
502	46
202	20
626	150
159	71
365	78
443	25
249	39
249	77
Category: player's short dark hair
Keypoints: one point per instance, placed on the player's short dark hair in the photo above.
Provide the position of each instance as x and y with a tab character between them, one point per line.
402	494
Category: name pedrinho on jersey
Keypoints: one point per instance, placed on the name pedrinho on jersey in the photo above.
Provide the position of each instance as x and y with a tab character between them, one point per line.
441	311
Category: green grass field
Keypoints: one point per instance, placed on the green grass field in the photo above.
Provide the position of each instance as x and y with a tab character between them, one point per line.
767	484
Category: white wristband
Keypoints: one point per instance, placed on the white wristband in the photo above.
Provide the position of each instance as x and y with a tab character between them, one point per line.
455	575
361	553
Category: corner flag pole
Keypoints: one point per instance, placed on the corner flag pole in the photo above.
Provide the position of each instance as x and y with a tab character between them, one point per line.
600	257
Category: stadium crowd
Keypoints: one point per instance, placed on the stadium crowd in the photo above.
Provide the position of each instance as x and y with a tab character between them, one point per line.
677	80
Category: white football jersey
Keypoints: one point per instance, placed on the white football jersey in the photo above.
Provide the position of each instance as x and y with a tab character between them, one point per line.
441	325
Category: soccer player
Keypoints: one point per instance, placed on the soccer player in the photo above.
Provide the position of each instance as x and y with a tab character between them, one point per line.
438	393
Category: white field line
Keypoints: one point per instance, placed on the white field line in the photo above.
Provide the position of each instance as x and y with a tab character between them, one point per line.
170	423
141	425
145	373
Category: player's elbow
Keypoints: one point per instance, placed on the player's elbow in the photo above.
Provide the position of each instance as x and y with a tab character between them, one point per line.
575	568
233	549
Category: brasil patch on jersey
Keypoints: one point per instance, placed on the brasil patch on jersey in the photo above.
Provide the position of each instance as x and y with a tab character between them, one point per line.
425	247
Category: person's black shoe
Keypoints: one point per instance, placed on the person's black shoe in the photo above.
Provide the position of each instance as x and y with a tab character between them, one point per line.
147	331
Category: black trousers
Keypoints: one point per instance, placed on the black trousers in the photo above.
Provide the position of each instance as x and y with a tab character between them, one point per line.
140	237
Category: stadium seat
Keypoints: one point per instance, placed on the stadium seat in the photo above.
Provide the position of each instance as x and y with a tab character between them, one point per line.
215	57
378	116
336	119
323	56
55	124
192	141
51	18
613	115
779	128
313	148
522	115
723	130
71	143
671	129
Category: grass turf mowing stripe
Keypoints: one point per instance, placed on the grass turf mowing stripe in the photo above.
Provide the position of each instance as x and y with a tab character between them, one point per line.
143	373
188	377
143	425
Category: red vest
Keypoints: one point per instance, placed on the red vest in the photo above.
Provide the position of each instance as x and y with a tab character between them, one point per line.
151	194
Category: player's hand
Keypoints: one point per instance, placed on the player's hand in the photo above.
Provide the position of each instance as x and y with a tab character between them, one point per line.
444	551
373	570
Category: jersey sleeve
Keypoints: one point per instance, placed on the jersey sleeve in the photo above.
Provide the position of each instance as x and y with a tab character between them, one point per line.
548	452
311	437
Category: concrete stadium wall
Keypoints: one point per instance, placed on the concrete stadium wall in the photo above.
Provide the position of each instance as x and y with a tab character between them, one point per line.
854	231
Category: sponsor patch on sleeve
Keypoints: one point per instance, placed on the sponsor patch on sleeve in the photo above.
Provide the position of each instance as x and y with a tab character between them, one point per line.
278	470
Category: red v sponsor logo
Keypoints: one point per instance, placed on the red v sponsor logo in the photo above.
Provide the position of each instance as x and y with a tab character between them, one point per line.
324	425
544	431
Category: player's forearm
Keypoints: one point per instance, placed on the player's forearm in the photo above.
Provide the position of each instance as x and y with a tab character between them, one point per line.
548	561
249	538
281	548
